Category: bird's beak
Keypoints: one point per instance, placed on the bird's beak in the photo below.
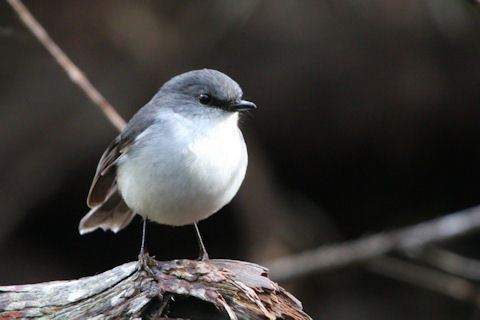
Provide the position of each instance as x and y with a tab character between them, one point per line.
242	105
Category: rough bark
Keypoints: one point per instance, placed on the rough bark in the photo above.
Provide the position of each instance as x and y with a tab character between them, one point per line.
236	289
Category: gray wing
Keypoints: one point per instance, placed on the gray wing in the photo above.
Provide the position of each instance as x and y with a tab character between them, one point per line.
104	181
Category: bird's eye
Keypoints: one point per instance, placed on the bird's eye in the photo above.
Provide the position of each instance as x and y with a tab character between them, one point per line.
205	98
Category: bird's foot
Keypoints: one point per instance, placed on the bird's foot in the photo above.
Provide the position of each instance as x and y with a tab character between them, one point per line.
144	261
203	255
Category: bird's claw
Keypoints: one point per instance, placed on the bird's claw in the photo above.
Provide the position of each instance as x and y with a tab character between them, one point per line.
143	263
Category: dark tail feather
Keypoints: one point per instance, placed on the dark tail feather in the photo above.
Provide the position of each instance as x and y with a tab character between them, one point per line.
112	215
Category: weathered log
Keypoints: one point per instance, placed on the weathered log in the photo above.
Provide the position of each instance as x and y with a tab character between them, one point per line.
237	290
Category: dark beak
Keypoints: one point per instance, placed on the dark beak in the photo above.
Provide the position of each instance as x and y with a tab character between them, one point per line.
242	105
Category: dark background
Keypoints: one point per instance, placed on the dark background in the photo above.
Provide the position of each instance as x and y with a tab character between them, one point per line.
368	120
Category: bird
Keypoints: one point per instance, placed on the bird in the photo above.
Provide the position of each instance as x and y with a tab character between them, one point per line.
180	158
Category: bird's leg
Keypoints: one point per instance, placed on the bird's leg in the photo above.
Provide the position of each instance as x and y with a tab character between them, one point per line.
144	232
203	255
143	256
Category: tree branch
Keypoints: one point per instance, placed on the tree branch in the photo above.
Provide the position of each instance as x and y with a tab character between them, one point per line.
75	74
424	277
448	261
237	290
350	252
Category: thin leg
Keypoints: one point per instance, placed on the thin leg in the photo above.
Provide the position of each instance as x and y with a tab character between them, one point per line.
144	232
142	256
203	252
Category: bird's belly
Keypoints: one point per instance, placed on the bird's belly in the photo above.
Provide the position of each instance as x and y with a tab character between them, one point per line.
184	185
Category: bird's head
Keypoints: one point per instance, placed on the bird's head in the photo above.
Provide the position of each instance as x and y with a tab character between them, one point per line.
208	92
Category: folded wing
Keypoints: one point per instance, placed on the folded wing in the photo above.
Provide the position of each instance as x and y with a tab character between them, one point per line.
108	209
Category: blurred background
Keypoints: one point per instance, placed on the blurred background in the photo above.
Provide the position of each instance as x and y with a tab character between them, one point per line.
368	120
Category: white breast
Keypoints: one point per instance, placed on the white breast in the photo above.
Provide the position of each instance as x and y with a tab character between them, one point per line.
181	171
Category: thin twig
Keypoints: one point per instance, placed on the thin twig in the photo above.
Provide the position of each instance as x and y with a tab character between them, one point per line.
449	285
75	74
350	252
448	261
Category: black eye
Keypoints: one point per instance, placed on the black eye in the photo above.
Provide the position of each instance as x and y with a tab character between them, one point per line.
205	98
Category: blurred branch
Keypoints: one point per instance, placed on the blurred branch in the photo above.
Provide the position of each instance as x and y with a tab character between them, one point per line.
449	262
75	74
452	286
350	252
279	209
241	290
426	277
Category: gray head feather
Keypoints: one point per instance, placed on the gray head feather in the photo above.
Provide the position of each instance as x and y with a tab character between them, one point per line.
192	84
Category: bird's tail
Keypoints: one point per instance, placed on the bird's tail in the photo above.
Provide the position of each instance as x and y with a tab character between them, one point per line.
113	214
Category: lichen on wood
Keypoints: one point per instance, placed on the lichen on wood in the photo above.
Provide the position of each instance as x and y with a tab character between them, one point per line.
236	289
